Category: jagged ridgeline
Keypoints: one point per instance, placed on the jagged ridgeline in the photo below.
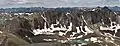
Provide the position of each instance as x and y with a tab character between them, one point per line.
22	26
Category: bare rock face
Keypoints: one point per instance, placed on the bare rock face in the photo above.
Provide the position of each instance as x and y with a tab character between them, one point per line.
22	26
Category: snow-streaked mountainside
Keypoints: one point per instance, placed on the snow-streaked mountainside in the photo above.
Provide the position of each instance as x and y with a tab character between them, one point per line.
84	26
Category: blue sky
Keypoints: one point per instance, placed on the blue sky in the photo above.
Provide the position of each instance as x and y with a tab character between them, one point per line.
58	3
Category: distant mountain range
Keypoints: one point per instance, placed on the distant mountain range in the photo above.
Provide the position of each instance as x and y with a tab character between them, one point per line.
40	9
116	8
34	9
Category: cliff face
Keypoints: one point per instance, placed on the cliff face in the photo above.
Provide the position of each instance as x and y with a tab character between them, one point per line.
23	25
